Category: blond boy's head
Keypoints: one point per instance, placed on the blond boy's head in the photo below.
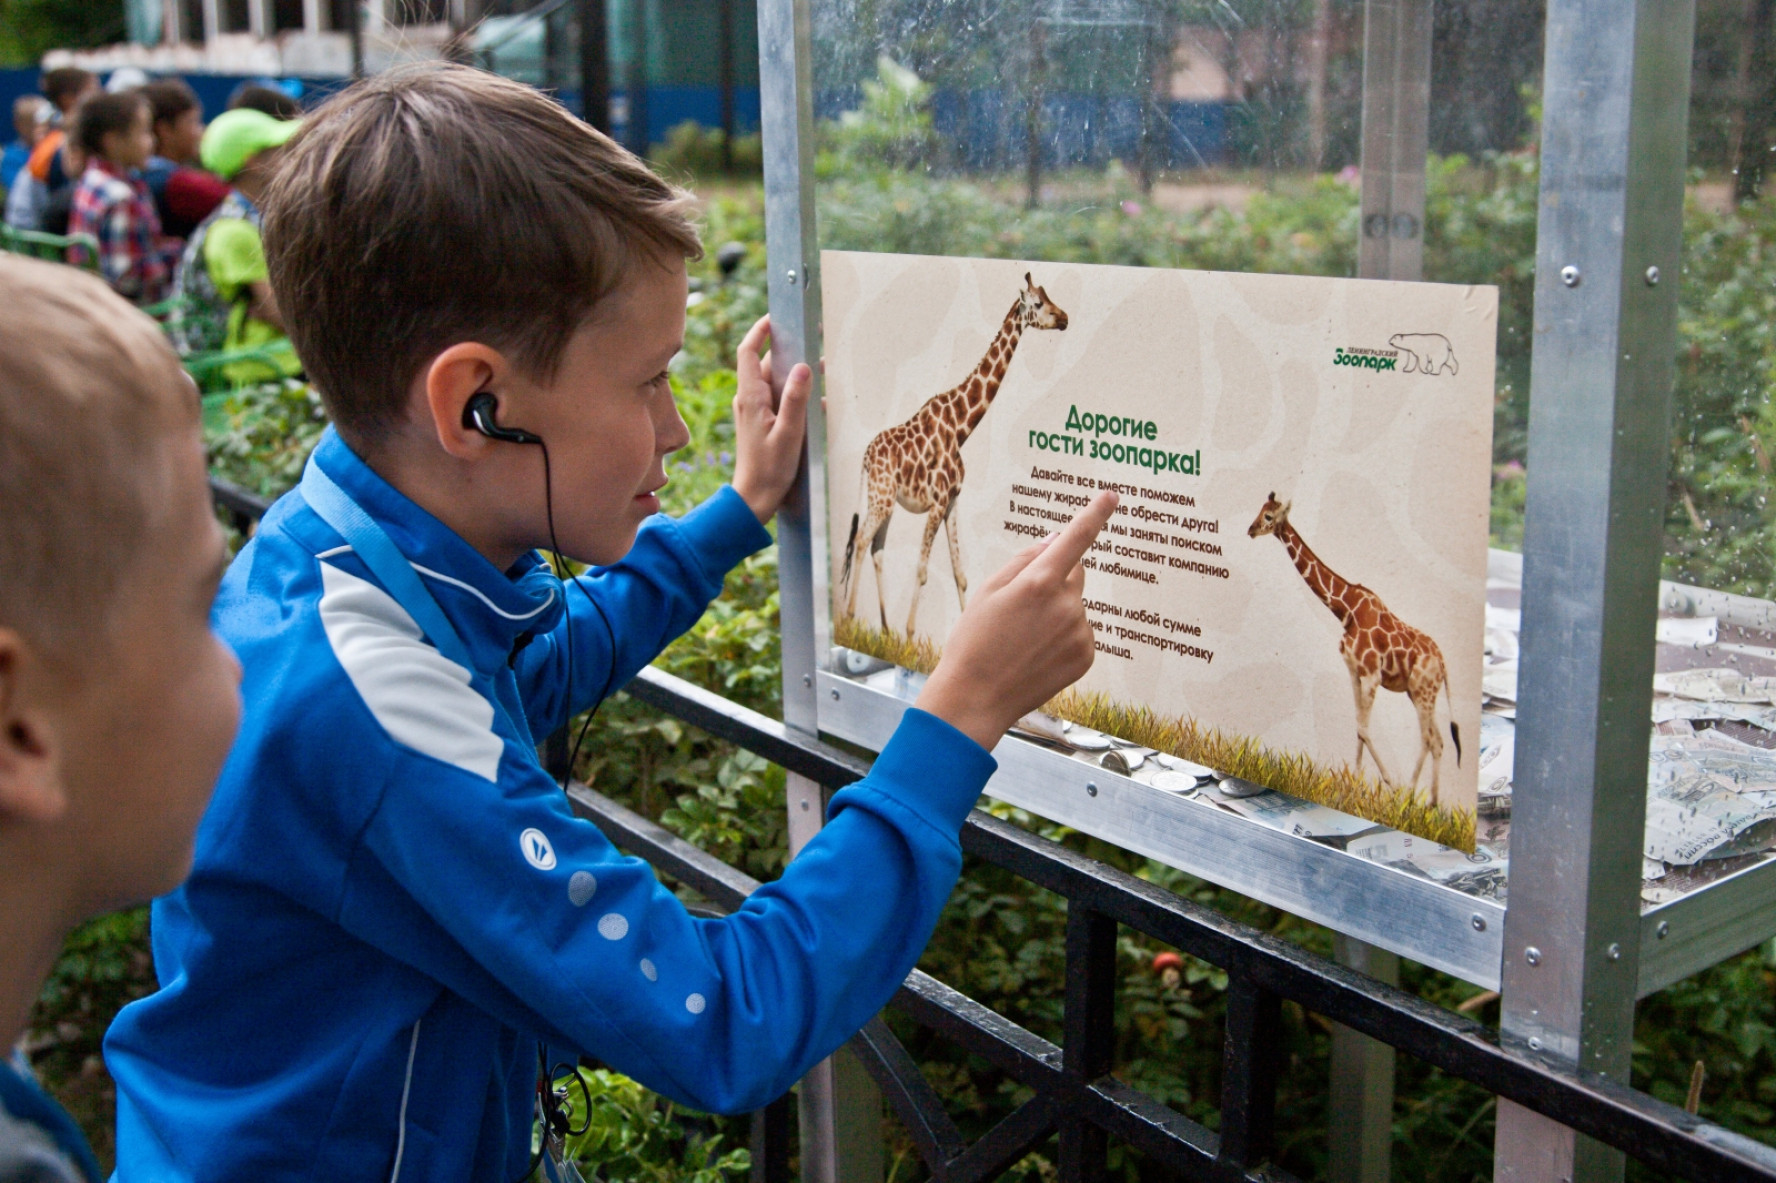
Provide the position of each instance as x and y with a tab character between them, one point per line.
27	117
117	704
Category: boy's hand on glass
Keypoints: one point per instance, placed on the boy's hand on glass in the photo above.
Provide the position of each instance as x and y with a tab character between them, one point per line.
767	434
1023	638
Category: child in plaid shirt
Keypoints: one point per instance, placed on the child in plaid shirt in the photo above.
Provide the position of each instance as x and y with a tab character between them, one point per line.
112	202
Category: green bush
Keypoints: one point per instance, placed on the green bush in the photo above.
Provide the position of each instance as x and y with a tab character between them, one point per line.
696	151
630	1133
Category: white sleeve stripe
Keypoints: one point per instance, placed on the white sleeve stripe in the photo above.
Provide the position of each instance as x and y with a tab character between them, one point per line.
420	697
476	592
455	582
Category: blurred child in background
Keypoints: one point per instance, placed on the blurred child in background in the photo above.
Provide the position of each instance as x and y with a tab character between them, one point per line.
184	194
112	204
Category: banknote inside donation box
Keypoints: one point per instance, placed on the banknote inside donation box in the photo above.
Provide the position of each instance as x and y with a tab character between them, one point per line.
1291	595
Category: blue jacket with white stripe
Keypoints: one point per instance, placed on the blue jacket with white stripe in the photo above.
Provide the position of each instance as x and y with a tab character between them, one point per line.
392	904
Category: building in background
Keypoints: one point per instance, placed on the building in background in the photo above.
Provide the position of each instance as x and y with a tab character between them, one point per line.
652	64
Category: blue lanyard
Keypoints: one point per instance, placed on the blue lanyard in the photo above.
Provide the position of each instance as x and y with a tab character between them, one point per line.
371	543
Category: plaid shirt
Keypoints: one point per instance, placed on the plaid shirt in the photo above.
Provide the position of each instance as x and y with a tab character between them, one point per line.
116	209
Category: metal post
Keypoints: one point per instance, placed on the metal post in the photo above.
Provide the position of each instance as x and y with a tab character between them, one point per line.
595	98
1033	115
1396	106
356	9
793	261
1616	100
1362	1119
1090	1022
725	22
840	1111
638	78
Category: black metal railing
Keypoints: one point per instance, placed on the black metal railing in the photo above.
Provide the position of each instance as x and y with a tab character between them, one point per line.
1075	1094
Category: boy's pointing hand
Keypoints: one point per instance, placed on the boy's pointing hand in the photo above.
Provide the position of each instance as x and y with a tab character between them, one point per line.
1024	637
767	434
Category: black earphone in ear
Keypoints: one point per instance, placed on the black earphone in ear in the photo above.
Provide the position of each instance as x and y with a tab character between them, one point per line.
479	415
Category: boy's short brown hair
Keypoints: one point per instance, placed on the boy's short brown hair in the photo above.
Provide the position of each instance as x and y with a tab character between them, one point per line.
169	98
64	84
438	204
89	392
103	115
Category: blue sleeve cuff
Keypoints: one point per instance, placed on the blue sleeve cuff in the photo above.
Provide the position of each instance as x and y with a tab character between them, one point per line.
931	769
722	531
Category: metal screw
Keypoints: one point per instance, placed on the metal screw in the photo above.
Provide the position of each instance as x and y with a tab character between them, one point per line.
1532	955
1478	921
1652	277
804	807
1569	275
790	275
807	679
1535	1044
835	695
1091	789
1664	929
1614	951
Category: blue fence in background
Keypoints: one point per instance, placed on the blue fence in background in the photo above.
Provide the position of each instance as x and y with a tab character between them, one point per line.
669	106
212	89
982	129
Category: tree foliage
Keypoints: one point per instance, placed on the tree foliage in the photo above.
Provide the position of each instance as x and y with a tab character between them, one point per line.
30	28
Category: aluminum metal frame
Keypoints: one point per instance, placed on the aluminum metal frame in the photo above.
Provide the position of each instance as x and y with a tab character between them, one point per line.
840	1109
1396	141
1616	101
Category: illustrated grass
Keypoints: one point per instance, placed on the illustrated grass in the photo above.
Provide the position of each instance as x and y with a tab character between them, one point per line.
1342	788
891	645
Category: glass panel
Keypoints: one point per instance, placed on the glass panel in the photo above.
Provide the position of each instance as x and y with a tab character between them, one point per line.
1718	524
1220	136
1716	651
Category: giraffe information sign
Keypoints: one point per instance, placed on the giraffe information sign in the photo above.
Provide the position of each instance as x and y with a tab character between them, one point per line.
1292	591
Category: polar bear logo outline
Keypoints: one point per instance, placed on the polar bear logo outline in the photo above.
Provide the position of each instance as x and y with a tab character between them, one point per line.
1428	353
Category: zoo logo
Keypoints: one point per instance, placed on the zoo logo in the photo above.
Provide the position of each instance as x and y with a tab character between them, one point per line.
1424	353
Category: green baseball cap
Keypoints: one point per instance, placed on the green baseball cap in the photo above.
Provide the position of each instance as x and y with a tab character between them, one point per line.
235	137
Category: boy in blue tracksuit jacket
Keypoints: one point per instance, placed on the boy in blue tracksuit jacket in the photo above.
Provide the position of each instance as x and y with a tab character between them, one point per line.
392	905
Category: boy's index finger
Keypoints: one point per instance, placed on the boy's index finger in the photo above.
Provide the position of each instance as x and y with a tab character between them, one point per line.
1070	545
755	336
747	353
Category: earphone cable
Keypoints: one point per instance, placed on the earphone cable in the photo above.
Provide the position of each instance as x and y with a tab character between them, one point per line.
565	575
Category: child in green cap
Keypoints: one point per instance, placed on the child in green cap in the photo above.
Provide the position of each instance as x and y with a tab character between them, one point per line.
223	283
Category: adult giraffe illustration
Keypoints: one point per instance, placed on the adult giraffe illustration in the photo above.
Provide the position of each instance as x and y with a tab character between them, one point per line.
918	464
1381	650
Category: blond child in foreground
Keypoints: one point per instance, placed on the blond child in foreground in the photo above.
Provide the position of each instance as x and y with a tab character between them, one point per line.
117	702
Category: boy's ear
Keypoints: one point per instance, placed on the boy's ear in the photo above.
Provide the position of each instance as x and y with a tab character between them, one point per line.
449	382
30	765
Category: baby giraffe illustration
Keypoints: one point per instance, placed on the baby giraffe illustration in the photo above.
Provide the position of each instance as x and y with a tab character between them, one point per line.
918	464
1381	650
